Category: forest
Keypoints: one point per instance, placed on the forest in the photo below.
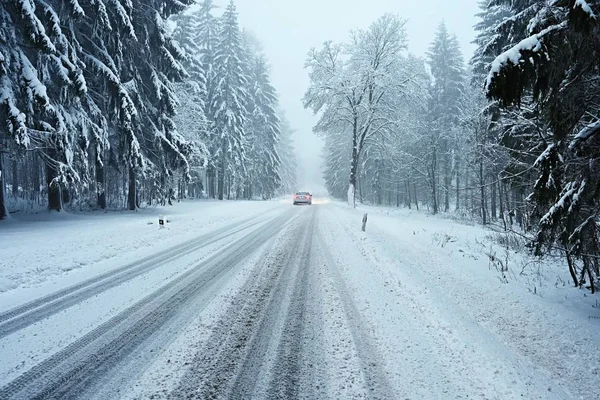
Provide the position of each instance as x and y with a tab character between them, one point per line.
511	137
129	103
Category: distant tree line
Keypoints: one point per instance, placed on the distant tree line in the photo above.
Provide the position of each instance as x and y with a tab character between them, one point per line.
104	105
511	137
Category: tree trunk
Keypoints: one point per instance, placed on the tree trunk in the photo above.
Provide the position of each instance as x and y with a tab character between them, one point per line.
447	178
131	194
571	268
501	203
100	185
434	182
15	178
408	199
35	179
351	197
221	179
211	181
54	192
3	210
66	196
416	196
493	198
482	189
468	198
457	185
518	204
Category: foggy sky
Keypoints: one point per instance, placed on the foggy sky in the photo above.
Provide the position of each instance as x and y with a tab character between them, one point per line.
288	29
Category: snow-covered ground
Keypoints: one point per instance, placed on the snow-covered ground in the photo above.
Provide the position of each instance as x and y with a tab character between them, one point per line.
51	247
266	300
525	333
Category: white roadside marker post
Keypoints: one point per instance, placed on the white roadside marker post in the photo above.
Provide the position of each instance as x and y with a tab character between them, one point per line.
364	223
161	221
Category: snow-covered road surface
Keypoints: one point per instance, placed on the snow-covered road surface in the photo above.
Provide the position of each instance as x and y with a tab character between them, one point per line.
290	302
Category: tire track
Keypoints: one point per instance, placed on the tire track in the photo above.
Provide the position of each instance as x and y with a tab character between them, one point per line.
369	358
69	372
231	362
20	317
286	381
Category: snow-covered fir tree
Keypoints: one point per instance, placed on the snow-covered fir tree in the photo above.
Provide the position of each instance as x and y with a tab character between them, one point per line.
263	132
285	148
229	105
551	62
447	67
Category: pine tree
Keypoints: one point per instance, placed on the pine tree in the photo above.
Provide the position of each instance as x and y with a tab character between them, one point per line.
207	39
263	131
554	61
447	68
285	149
230	102
41	91
484	116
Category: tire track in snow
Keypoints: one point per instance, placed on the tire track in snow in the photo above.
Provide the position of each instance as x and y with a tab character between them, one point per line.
286	381
68	373
28	314
243	349
369	358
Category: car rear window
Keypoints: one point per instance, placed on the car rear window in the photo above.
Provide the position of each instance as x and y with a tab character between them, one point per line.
302	193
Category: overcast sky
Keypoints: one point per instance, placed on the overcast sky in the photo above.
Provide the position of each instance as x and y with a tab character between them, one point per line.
288	29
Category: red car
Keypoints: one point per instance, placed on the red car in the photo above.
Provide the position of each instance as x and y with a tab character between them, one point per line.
303	198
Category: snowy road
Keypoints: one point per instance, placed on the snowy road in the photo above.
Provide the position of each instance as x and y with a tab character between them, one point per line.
283	303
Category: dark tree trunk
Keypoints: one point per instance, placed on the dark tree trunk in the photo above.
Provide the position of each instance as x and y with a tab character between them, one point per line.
211	181
447	179
131	194
434	182
100	185
416	196
482	189
54	192
457	185
493	199
408	199
571	268
500	201
35	179
221	179
66	196
3	211
518	206
15	178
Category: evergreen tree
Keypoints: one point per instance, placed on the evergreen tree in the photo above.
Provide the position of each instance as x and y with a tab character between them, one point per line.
285	149
41	91
207	39
554	61
263	131
447	68
229	103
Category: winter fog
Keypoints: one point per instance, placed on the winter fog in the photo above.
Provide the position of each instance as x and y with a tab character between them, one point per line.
282	200
288	30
